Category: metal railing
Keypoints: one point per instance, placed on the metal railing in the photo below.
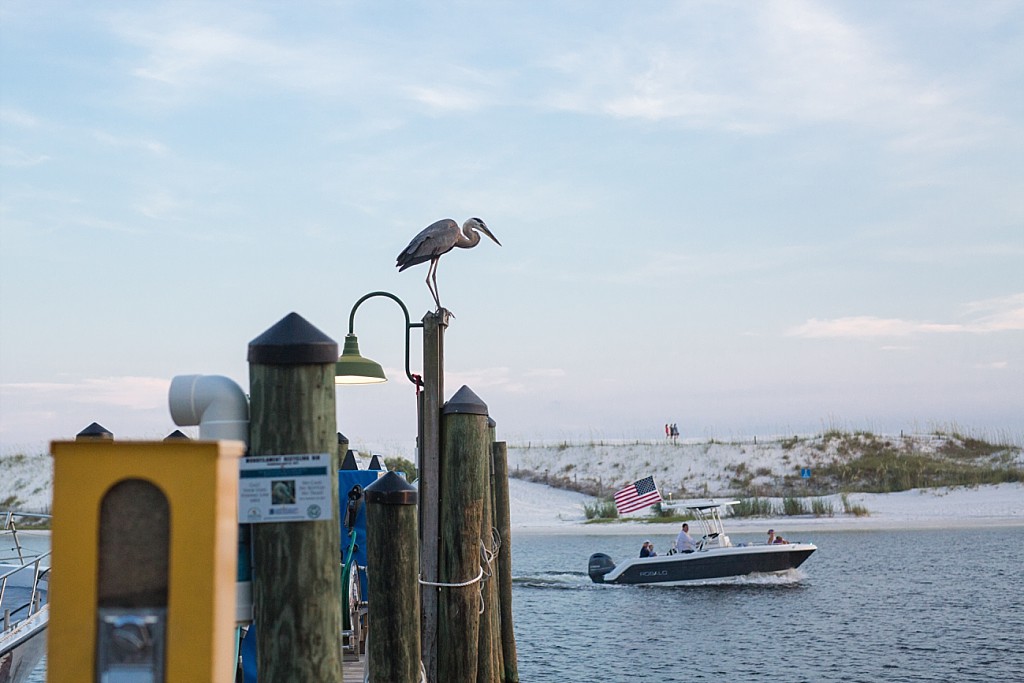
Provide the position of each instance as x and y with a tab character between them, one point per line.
14	569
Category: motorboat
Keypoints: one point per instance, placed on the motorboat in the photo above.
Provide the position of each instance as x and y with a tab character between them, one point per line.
24	575
715	557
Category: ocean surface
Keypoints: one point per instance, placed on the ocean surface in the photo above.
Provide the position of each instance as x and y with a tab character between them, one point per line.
870	606
867	606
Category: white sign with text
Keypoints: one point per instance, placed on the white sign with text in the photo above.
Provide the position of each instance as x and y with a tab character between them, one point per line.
284	488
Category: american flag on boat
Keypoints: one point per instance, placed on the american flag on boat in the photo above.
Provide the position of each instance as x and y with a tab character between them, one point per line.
638	495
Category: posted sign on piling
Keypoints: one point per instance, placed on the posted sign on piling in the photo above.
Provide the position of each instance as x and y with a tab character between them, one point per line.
284	488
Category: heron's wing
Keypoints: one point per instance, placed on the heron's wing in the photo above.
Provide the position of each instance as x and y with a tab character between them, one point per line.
435	239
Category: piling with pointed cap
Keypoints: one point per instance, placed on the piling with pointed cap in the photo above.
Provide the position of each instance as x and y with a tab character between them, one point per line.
463	485
350	460
375	463
95	431
393	553
297	574
177	434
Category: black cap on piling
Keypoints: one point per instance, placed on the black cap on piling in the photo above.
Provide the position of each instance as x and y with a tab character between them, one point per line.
391	489
349	463
95	431
293	341
176	435
465	402
375	463
491	424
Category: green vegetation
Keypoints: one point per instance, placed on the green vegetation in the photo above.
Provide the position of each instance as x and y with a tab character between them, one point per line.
791	507
602	509
854	509
879	466
753	507
863	461
821	508
399	464
10	503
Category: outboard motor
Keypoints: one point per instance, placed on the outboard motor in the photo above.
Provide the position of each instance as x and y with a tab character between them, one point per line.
599	565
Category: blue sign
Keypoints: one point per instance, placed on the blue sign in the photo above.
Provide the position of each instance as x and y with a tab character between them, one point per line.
805	473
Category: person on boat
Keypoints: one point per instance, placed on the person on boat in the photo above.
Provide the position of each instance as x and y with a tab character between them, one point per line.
772	538
647	549
684	542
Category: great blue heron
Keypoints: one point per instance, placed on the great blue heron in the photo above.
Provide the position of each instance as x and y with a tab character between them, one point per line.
438	239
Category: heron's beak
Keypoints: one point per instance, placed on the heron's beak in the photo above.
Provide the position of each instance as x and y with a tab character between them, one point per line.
487	232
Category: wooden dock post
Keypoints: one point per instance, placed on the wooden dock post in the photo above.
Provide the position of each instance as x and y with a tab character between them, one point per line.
490	664
503	523
393	555
297	576
429	466
463	480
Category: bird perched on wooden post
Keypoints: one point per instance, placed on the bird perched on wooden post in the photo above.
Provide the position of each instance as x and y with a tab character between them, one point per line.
438	239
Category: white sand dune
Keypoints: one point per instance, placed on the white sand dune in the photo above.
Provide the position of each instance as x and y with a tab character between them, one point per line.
27	482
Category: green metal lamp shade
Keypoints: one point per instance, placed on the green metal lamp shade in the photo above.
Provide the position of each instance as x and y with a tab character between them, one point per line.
352	368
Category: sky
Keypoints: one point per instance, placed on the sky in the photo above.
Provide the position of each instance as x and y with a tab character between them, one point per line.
743	218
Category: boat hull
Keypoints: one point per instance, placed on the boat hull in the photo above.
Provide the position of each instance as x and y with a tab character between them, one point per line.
716	563
23	647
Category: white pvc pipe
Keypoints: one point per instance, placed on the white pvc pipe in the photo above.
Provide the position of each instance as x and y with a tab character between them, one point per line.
215	403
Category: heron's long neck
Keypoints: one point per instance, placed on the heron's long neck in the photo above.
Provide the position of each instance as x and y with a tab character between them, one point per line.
468	238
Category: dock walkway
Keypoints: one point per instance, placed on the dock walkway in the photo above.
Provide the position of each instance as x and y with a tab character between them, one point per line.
353	669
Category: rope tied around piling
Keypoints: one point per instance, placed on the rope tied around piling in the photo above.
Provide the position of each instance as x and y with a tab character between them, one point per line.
487	556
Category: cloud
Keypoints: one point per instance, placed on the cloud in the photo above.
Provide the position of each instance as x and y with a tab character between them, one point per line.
141	393
546	372
999	314
10	156
1002	314
504	379
447	98
866	326
16	117
769	67
119	141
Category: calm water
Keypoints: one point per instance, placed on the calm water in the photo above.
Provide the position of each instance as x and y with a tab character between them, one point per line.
867	606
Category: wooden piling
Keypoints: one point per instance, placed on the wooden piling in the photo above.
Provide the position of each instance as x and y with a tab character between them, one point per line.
297	575
429	465
487	668
393	556
464	457
503	523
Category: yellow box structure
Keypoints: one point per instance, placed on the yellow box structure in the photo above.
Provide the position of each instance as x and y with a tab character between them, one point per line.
144	558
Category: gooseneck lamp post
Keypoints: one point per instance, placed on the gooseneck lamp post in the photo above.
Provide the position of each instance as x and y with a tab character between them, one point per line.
353	368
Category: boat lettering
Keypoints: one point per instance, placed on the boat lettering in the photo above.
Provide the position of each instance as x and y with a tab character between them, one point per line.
663	572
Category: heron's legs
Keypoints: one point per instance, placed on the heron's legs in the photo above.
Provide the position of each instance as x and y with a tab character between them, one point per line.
432	274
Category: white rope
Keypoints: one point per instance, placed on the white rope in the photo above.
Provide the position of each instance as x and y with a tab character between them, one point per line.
487	556
453	585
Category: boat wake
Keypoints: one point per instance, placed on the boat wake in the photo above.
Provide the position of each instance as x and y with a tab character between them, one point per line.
555	581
